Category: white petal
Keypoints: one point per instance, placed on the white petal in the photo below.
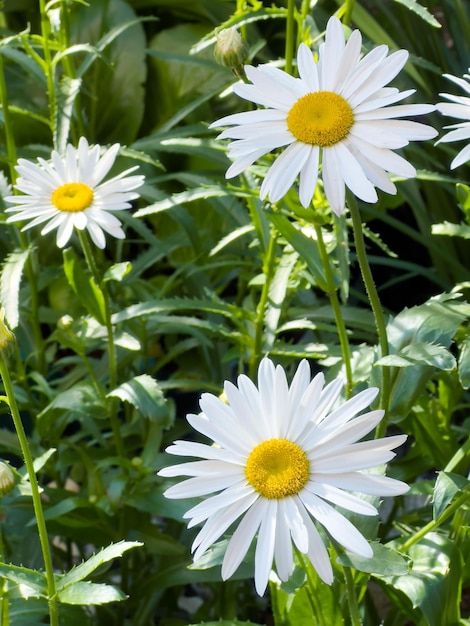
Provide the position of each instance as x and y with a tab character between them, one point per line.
341	498
264	552
282	543
353	174
307	67
201	486
462	157
242	537
317	552
284	171
370	484
338	526
309	177
333	182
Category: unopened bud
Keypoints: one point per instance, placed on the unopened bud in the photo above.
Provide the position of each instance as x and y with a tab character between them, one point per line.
7	479
230	49
7	338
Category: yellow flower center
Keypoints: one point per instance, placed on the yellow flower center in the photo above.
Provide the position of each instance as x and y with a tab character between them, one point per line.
72	197
320	118
277	468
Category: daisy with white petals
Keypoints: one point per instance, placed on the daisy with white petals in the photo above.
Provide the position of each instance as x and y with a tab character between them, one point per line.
459	107
67	192
335	116
282	457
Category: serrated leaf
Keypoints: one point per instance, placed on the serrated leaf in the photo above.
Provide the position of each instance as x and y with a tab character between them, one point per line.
144	393
86	568
10	281
30	579
447	486
86	593
84	286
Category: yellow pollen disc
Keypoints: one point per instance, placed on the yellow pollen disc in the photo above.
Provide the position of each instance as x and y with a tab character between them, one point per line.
277	468
72	197
320	118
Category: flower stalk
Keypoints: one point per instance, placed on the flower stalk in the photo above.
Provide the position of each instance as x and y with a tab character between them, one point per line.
37	504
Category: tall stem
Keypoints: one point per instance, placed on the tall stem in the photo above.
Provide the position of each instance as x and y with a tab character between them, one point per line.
268	268
48	68
341	328
374	303
433	524
90	259
38	510
290	35
352	600
348	11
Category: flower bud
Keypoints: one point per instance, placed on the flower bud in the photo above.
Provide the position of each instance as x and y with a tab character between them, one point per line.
7	338
230	49
7	479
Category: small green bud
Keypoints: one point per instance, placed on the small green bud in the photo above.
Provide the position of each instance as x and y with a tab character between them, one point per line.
65	322
7	479
7	338
230	49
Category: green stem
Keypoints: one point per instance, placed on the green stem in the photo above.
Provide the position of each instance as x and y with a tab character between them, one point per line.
352	600
7	126
90	259
433	524
332	294
374	303
38	511
348	11
290	35
49	69
312	591
268	269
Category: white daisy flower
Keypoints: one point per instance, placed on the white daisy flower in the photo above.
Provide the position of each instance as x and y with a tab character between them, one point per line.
281	456
337	112
459	108
67	192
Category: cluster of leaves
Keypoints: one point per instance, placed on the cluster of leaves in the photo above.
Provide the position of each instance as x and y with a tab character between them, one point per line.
188	311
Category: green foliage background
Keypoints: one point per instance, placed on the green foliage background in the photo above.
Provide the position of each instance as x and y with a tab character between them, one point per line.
186	286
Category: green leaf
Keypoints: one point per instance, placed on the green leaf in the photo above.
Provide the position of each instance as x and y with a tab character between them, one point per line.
277	297
385	562
69	88
87	593
34	583
422	12
84	286
177	199
433	584
421	353
144	393
118	271
113	92
447	486
10	281
105	555
304	245
464	364
451	230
